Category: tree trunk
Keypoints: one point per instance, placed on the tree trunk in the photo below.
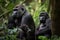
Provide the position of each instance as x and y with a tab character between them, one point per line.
55	14
48	10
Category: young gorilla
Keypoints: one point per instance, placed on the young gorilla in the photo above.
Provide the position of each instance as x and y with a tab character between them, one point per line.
44	27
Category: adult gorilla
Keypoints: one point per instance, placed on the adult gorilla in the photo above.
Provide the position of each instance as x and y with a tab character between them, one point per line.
24	21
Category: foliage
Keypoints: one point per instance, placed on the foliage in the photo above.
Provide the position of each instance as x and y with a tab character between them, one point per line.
42	38
53	37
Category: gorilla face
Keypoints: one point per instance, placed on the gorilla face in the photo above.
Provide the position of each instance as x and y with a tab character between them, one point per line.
15	12
43	17
18	11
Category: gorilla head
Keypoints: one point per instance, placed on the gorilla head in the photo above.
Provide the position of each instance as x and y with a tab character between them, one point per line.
19	10
43	16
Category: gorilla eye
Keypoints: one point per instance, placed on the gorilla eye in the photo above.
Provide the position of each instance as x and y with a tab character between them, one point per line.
22	9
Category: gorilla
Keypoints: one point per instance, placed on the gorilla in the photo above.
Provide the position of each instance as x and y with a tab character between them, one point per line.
44	28
23	20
